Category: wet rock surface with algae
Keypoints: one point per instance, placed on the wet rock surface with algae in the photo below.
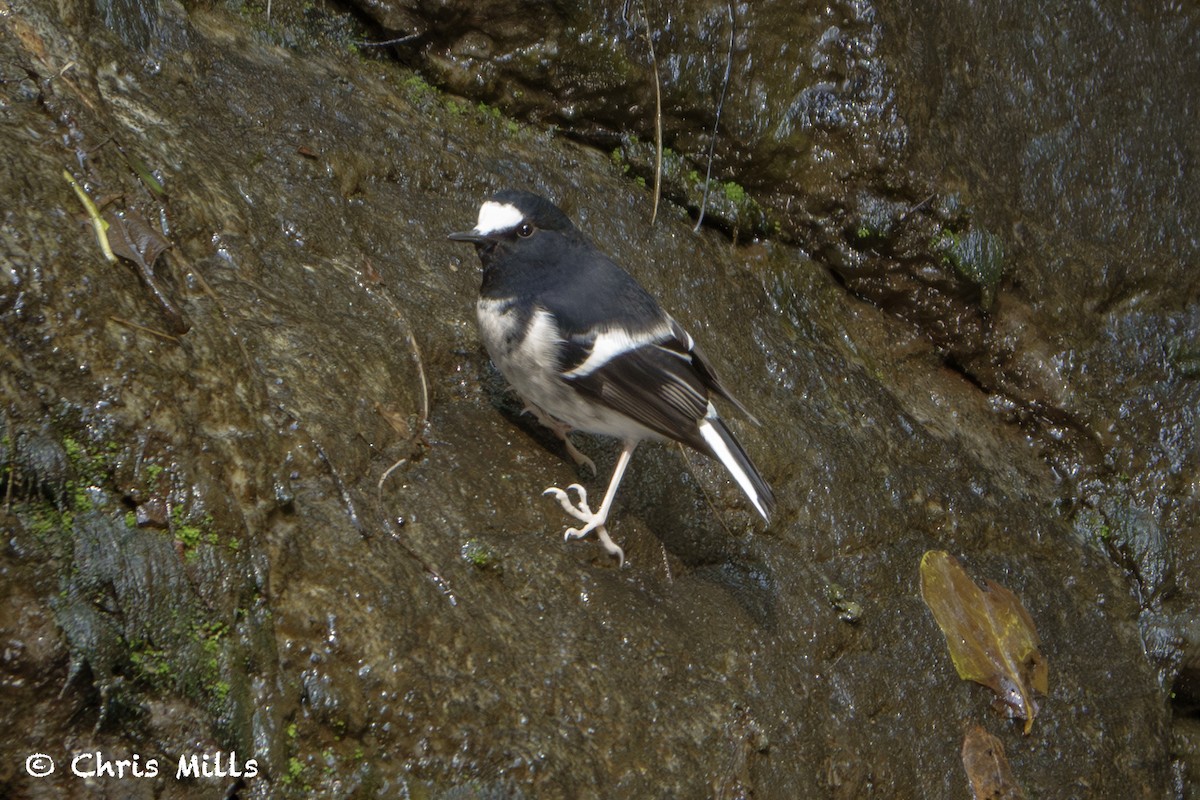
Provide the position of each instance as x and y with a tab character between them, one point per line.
264	494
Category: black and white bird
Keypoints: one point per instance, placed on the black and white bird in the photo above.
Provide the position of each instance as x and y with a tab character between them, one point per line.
588	348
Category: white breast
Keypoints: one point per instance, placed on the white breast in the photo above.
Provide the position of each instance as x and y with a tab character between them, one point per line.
530	362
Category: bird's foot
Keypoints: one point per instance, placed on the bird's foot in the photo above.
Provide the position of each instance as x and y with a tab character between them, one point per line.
560	429
591	520
578	457
580	511
610	547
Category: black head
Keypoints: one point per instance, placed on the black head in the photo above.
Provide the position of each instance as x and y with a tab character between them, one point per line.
513	215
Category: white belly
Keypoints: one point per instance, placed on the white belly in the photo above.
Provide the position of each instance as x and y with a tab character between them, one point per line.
532	369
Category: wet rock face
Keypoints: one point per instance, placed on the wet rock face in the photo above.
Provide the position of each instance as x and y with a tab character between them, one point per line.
810	143
987	175
1065	133
803	99
798	109
893	146
309	528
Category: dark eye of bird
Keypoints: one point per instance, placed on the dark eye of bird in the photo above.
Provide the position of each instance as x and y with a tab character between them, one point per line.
525	230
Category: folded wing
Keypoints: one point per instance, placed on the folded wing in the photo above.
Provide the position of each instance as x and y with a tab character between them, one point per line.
662	381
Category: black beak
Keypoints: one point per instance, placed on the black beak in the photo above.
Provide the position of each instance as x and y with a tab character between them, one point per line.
466	236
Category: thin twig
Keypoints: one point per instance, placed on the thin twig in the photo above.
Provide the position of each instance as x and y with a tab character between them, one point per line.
387	42
144	329
917	207
658	134
712	144
386	473
364	282
203	283
98	223
342	489
11	467
416	351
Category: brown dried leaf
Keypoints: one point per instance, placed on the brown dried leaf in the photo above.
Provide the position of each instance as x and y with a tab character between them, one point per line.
987	767
397	421
133	239
991	636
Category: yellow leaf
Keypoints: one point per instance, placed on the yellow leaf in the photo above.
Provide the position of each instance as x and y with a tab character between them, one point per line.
987	767
990	635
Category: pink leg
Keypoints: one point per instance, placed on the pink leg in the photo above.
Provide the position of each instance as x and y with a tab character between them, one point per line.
582	512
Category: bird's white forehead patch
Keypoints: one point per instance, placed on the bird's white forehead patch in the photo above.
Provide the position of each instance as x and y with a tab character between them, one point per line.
494	217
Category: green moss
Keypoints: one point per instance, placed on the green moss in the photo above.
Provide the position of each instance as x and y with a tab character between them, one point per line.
295	769
479	555
1094	528
192	533
73	449
977	256
849	609
494	116
151	665
617	157
418	89
210	635
45	521
92	466
734	192
211	638
92	463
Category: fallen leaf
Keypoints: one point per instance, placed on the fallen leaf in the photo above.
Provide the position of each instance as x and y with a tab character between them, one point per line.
133	239
990	635
397	421
987	767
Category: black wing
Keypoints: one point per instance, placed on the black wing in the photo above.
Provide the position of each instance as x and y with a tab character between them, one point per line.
663	384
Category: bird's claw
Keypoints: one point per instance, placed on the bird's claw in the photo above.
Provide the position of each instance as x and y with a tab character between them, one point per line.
582	511
611	547
591	521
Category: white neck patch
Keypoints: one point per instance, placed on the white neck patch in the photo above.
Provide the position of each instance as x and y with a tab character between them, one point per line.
495	217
